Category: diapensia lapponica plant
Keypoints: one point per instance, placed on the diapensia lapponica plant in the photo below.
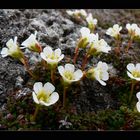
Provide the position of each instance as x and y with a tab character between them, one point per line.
133	34
43	95
115	33
69	75
78	15
92	44
52	58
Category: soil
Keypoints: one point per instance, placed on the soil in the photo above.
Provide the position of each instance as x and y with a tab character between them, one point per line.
58	30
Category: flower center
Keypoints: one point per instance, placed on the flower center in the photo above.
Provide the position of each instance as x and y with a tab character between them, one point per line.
53	56
69	75
100	73
43	96
136	73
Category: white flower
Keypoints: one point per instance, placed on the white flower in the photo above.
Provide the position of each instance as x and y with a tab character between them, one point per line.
138	103
31	43
69	12
90	20
69	74
86	37
100	73
77	13
133	29
99	45
83	12
12	50
138	96
115	31
44	95
52	57
133	71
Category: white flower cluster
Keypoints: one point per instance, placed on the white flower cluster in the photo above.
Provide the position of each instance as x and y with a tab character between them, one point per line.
133	30
14	50
93	41
80	12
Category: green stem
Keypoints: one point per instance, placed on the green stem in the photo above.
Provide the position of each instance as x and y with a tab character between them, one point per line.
132	89
35	113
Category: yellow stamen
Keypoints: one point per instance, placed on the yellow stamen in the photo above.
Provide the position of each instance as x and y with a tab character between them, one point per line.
69	75
53	56
136	73
43	96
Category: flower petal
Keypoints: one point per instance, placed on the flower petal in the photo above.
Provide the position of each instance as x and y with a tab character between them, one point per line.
35	98
69	67
4	52
138	79
134	26
49	88
130	75
10	43
61	70
109	31
138	106
37	87
43	56
92	38
15	40
44	103
102	82
104	66
22	47
130	67
35	34
128	26
69	12
138	66
51	61
116	26
99	65
105	76
138	95
78	74
47	51
61	57
57	52
85	32
54	98
83	12
30	40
